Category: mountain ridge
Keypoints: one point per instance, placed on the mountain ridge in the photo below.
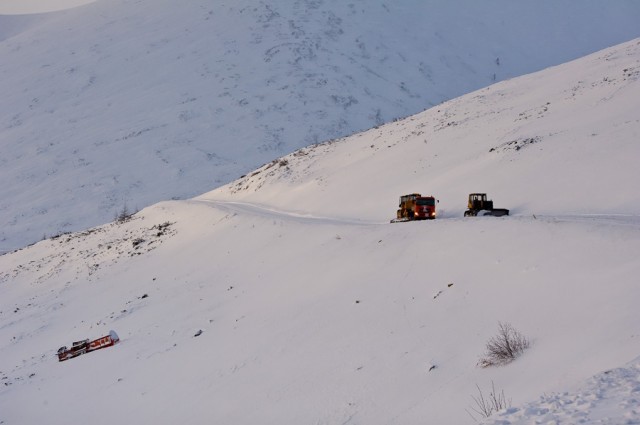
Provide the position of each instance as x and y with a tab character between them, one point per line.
121	103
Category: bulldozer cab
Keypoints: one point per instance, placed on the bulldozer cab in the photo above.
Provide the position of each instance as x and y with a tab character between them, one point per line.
477	197
478	201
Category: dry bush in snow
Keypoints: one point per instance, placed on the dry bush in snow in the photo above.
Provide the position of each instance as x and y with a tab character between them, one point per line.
504	347
485	406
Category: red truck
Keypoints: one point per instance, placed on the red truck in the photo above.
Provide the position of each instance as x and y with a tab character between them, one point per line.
416	207
86	346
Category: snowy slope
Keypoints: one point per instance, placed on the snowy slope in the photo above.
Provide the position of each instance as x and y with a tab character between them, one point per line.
315	309
561	140
22	7
609	397
120	103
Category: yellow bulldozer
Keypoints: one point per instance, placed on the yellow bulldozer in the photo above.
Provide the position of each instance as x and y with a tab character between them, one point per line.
480	205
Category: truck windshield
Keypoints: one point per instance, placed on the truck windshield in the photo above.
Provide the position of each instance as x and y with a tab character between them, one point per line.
426	201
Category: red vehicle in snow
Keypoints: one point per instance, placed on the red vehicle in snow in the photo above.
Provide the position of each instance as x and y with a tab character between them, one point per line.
416	207
86	346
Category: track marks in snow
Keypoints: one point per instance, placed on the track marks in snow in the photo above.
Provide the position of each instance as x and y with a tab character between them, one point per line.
274	213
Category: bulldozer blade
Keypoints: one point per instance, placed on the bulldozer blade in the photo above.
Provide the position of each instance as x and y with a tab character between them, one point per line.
497	212
399	220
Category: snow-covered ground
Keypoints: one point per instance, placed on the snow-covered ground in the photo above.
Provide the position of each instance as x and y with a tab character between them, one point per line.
126	103
610	397
21	7
288	297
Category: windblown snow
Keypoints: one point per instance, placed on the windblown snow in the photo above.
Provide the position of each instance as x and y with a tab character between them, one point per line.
286	296
119	104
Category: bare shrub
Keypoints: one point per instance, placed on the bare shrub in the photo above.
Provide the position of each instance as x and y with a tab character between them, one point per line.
124	214
487	405
505	347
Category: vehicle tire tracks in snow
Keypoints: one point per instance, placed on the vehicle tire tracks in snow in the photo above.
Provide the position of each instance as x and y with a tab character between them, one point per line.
246	208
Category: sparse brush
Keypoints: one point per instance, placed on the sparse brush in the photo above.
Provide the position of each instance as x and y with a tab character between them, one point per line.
487	405
505	347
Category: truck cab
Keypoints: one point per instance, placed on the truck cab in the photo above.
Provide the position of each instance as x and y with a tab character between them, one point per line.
416	207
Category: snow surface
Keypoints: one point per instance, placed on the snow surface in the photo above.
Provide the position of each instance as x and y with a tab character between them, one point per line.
310	307
127	103
18	7
610	397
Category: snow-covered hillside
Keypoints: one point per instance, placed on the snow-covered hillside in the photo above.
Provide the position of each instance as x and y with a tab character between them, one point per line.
23	7
563	140
126	103
288	297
